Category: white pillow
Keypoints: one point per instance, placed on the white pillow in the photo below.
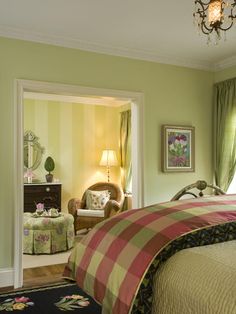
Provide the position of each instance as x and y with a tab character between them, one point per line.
97	199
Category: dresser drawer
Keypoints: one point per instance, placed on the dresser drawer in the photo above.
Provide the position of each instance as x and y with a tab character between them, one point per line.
48	194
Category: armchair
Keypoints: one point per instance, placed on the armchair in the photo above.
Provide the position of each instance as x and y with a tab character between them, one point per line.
85	218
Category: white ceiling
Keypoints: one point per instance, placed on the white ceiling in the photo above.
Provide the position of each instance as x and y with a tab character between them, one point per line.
161	31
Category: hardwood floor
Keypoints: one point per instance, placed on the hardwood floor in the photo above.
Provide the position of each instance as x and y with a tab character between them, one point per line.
43	275
40	276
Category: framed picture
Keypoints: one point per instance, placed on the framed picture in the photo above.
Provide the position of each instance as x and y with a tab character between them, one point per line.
178	148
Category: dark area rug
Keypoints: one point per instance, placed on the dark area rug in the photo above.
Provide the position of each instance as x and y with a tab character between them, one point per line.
54	299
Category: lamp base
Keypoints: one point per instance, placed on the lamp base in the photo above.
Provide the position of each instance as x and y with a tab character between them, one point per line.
108	174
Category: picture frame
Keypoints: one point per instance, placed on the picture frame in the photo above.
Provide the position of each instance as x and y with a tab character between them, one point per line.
178	148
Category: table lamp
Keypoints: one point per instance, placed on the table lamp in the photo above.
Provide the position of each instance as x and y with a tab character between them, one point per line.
108	159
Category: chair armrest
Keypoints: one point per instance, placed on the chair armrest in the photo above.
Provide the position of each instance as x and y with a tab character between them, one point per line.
111	208
74	204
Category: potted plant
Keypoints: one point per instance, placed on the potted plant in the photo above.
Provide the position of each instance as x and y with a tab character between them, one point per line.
49	166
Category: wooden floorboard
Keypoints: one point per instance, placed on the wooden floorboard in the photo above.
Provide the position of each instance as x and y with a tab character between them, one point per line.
40	276
43	275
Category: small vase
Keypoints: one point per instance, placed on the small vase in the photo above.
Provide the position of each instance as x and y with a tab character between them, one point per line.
29	179
49	177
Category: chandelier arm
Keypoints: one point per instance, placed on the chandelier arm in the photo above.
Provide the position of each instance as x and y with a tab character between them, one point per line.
202	14
202	9
233	5
225	29
203	3
232	16
205	29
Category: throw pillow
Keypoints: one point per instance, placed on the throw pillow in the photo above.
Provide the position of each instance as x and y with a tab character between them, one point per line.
97	199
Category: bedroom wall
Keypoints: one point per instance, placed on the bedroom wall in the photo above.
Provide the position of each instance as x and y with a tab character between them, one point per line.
173	95
74	135
225	74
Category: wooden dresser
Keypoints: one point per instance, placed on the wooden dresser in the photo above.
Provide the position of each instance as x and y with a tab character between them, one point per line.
47	193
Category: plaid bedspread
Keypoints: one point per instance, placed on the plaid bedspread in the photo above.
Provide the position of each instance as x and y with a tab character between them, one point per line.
114	261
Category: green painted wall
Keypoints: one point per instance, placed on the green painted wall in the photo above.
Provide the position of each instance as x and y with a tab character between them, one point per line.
173	95
225	74
74	135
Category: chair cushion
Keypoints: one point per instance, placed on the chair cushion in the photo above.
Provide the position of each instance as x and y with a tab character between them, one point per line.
90	212
97	199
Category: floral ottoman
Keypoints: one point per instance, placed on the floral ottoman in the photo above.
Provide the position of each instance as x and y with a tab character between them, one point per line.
48	235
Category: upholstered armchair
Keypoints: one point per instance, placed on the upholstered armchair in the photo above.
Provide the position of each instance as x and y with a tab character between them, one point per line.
84	217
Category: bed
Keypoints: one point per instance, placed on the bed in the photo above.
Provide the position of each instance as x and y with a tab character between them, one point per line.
173	257
200	280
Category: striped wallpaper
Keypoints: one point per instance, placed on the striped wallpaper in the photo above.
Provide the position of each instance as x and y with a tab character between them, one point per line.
74	135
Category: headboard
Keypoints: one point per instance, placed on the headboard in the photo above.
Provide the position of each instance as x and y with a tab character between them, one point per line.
200	185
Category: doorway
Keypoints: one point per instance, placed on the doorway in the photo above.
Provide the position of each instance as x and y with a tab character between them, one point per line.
22	86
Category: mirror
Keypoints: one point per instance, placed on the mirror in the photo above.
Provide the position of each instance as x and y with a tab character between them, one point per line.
33	151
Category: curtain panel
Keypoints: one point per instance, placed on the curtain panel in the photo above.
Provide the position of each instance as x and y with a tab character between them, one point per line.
224	132
125	151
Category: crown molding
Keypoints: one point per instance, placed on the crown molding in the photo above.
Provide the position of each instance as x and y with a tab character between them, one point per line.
224	64
145	55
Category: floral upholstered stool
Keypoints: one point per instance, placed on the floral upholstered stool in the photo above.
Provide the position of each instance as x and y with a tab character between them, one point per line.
47	235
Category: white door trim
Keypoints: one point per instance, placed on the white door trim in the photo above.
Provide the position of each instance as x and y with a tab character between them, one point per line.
21	86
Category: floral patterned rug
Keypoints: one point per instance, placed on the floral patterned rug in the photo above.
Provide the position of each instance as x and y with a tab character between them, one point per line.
53	299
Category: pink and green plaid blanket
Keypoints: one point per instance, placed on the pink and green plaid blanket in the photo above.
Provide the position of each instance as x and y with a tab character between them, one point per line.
115	263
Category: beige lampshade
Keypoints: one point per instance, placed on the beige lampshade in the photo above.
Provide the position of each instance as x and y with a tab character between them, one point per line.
108	158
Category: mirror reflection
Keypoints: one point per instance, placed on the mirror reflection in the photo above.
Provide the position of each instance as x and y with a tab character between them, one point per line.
33	151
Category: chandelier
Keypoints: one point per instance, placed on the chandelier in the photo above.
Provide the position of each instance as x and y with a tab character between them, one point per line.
214	17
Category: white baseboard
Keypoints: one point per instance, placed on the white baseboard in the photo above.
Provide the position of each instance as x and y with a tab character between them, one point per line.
6	277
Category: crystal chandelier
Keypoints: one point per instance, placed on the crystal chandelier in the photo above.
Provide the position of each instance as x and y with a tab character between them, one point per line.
215	17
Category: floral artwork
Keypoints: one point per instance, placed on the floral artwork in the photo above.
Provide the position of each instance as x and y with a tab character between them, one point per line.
72	302
178	148
16	304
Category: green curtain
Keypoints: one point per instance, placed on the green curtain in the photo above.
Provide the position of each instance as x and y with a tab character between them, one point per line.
224	132
125	151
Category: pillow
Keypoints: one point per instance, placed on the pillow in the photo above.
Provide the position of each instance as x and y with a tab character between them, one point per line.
97	199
